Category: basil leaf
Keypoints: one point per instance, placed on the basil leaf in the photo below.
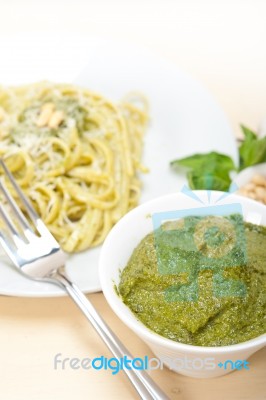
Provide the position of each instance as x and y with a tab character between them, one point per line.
208	180
253	149
211	171
207	171
209	161
248	133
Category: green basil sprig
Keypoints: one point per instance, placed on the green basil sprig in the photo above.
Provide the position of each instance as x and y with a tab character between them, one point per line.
212	170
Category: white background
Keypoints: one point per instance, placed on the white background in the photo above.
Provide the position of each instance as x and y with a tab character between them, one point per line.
222	43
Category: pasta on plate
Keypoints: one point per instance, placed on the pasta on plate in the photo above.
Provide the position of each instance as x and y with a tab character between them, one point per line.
76	155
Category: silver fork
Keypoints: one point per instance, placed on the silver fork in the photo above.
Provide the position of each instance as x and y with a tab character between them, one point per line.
37	255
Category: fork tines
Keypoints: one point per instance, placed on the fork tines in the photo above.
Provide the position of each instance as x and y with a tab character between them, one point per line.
19	223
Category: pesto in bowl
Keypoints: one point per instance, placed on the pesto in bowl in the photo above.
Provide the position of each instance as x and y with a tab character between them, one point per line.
198	285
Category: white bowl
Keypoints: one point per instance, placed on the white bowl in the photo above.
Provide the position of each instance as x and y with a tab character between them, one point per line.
245	176
195	361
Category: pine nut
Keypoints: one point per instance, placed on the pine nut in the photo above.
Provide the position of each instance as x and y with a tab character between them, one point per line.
260	192
250	187
255	189
45	114
252	195
259	180
55	120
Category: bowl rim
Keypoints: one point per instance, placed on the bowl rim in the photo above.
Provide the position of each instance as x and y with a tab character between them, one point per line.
129	318
244	176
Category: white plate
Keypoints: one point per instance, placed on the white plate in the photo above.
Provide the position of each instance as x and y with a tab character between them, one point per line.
184	119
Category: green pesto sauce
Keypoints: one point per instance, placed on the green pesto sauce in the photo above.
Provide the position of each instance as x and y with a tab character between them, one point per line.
200	281
26	120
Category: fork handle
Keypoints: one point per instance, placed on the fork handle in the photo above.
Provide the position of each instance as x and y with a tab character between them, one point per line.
142	382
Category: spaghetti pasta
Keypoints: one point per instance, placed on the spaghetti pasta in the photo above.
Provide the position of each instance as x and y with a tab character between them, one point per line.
76	155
